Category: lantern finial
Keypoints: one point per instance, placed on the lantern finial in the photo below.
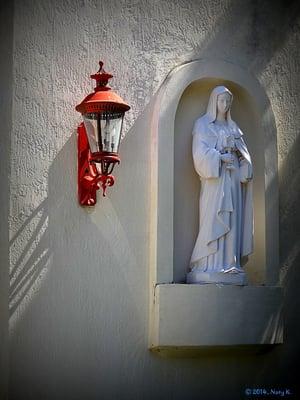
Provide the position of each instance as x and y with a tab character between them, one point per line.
101	77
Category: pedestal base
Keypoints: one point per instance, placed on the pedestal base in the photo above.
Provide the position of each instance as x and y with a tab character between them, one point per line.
228	278
196	316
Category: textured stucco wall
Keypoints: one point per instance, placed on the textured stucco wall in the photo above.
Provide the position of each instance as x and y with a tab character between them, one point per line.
6	31
79	279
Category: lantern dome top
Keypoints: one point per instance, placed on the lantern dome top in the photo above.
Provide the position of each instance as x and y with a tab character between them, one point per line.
103	99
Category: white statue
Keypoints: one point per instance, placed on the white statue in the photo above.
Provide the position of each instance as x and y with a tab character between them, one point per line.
224	165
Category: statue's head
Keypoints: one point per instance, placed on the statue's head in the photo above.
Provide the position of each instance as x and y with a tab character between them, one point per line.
220	101
223	103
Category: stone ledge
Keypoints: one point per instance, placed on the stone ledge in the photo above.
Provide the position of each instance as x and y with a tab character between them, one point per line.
212	351
216	315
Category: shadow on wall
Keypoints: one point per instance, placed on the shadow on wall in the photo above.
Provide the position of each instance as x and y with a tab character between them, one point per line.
289	178
33	246
30	259
250	33
280	367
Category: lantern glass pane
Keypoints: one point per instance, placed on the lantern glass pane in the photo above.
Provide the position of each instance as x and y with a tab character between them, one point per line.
111	125
104	131
90	123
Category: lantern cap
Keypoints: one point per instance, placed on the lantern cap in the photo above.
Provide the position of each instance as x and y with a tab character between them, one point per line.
103	99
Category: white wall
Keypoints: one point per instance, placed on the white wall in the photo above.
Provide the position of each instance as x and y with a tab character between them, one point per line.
79	279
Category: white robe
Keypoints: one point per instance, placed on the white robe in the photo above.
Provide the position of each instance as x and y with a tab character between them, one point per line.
225	205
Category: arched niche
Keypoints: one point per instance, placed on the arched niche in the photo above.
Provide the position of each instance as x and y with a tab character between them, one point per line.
174	185
184	315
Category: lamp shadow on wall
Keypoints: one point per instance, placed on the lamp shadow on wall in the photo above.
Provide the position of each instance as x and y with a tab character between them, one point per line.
29	265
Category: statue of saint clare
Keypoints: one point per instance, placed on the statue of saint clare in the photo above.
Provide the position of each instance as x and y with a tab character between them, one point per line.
222	161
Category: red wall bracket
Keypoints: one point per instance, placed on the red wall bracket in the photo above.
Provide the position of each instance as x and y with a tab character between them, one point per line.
89	177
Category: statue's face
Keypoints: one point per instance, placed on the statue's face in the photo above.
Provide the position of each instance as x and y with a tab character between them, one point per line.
223	103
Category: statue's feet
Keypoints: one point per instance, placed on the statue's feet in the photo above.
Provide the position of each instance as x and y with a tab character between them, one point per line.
234	276
233	270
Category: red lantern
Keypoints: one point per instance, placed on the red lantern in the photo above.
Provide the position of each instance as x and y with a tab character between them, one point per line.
99	138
